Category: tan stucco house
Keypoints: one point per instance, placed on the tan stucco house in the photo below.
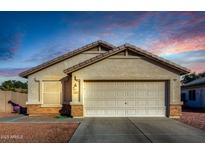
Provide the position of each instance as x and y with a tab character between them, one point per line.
101	80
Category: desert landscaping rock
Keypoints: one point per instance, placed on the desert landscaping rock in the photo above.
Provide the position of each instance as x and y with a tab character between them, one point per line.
194	118
36	132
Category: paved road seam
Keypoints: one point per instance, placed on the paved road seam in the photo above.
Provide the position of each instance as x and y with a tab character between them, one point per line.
140	130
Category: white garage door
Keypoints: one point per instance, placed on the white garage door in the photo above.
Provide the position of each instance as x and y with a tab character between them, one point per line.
124	99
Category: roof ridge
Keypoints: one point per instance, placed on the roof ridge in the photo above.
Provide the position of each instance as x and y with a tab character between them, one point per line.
155	56
93	59
200	80
118	49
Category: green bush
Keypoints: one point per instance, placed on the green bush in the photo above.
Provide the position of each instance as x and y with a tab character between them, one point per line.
13	85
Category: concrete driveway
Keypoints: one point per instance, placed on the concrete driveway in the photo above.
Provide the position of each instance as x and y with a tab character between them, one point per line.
136	130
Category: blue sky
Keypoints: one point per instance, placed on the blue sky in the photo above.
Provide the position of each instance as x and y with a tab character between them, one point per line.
30	38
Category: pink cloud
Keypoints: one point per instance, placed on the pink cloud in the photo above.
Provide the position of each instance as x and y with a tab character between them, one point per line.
178	45
198	69
185	28
196	19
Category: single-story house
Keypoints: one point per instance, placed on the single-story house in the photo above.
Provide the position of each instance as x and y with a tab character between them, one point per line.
193	93
102	80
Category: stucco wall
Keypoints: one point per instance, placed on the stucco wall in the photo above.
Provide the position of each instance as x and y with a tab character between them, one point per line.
114	68
54	72
126	68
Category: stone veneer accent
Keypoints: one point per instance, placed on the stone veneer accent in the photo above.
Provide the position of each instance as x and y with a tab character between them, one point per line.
175	110
77	110
37	110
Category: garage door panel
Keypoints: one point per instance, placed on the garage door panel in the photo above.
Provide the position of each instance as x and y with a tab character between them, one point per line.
120	103
152	111
120	113
109	112
123	99
131	112
119	93
109	103
131	103
109	94
141	111
140	103
131	94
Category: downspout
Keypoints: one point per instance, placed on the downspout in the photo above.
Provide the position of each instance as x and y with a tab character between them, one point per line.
78	80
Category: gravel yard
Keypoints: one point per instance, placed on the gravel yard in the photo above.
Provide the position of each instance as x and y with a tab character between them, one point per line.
15	128
25	129
195	118
36	132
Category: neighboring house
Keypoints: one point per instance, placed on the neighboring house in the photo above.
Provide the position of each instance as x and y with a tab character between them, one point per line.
193	93
102	80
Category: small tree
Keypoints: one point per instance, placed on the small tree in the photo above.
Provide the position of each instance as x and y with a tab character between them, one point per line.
13	85
201	74
192	76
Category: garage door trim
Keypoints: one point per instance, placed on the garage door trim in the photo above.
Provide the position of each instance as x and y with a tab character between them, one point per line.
166	92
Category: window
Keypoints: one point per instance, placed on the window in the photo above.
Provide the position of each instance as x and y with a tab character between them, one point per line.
192	95
51	92
183	97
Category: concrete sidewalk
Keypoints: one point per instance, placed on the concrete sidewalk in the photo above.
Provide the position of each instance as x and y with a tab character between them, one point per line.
135	130
11	118
19	118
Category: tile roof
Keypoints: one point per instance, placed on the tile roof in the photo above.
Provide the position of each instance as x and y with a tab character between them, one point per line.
195	82
65	56
180	69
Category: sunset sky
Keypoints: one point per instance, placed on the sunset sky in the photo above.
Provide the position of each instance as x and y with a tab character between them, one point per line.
30	38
